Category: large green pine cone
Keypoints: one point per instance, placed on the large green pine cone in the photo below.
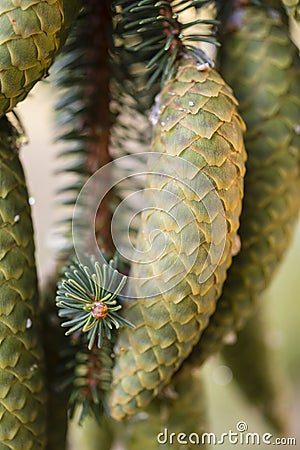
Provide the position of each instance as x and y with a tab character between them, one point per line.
266	80
254	369
31	34
22	394
198	122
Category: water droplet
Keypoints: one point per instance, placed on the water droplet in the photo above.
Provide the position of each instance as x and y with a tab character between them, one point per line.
222	375
163	123
33	367
181	109
230	338
274	14
141	416
203	67
28	323
196	372
170	393
23	139
191	104
31	201
16	218
172	93
236	245
297	128
156	110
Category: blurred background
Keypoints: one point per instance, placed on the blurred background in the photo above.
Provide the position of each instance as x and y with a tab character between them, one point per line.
225	403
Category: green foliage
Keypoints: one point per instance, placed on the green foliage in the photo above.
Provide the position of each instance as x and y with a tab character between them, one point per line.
90	378
90	299
82	89
82	76
152	33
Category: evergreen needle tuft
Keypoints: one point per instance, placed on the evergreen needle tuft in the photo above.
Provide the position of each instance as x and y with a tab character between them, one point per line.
153	30
90	300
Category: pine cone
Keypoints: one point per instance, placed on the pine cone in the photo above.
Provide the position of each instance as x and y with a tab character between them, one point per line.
198	124
22	396
263	67
32	32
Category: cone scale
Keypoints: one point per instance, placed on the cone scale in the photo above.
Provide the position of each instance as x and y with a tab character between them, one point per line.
181	406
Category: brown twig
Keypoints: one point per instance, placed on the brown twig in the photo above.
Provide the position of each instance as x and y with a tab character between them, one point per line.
171	29
97	123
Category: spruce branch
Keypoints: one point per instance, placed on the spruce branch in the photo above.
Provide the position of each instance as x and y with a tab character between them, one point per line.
83	75
84	121
89	379
153	31
89	298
